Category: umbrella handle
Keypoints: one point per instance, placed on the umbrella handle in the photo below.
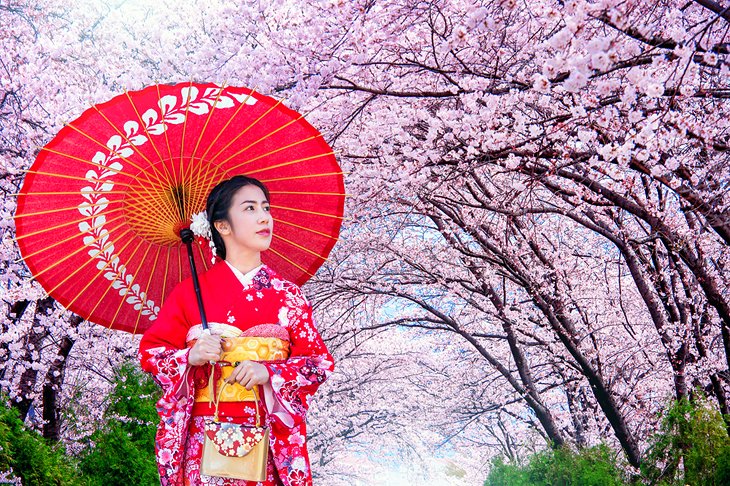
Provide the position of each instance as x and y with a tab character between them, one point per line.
187	236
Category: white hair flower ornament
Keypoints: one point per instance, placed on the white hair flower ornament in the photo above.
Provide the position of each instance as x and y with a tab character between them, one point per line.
201	227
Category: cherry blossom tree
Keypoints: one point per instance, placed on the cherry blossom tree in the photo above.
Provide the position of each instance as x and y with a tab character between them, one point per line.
537	244
521	133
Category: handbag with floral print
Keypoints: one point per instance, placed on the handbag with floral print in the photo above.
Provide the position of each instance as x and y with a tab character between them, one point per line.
235	451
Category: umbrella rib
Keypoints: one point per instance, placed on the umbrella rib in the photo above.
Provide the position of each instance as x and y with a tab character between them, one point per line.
199	182
79	250
207	119
311	252
204	184
202	257
66	176
307	212
242	132
146	188
148	218
147	133
71	223
59	210
284	164
305	193
248	161
98	274
56	243
167	212
183	169
281	221
111	282
167	138
230	120
77	269
131	281
65	193
84	179
164	280
147	287
306	176
169	177
134	147
288	260
142	213
203	187
185	127
200	186
115	152
80	159
269	134
201	163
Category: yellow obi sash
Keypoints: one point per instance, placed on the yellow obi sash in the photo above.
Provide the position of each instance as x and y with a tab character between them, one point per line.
237	349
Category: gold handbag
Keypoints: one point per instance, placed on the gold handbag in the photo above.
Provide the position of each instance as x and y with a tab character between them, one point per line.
235	451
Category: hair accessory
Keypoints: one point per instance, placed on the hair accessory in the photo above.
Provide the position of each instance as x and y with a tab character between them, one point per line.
201	227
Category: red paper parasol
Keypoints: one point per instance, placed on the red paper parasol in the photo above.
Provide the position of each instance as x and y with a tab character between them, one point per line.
101	208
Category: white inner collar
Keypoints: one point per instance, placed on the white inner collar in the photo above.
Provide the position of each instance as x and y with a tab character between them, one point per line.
247	278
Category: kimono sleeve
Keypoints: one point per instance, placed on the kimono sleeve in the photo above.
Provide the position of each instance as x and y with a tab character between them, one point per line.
163	353
295	380
162	350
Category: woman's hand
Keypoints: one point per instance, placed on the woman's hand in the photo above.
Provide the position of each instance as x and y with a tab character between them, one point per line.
206	349
249	374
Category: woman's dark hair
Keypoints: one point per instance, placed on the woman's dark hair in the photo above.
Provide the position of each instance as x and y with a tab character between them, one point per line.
219	202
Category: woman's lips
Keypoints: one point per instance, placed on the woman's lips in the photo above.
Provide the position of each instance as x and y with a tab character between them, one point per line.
264	232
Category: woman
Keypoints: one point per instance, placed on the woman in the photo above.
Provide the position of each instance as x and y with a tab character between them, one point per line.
248	307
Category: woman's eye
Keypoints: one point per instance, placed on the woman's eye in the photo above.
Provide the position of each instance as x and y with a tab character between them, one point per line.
267	208
248	208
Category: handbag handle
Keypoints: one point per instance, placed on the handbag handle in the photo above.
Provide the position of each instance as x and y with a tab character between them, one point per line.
256	402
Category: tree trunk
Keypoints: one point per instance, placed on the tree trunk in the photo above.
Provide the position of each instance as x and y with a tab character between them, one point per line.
15	313
33	342
560	322
52	386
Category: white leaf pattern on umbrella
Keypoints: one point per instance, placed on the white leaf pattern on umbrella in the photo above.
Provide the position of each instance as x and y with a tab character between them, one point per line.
170	113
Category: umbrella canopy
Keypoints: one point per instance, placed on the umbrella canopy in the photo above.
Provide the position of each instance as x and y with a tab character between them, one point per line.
100	210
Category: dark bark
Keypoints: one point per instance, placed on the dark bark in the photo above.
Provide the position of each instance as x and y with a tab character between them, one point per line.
552	307
528	388
553	310
721	11
541	411
33	341
577	416
659	317
52	386
696	263
721	396
15	313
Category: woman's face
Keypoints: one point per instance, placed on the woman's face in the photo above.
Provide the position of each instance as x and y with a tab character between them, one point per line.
249	225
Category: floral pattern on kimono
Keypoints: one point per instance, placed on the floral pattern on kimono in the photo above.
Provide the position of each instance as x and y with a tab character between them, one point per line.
262	300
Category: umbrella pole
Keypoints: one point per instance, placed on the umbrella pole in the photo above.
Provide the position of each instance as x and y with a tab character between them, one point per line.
187	236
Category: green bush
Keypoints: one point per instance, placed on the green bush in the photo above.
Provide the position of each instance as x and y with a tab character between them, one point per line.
122	451
722	474
29	456
691	447
594	466
502	474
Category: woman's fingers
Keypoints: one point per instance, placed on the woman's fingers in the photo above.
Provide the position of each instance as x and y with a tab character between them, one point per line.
237	375
249	374
206	348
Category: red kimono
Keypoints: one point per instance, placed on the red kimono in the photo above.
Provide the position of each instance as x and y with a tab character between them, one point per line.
258	304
